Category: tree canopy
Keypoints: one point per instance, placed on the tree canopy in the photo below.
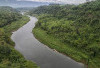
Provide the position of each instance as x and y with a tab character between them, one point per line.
75	25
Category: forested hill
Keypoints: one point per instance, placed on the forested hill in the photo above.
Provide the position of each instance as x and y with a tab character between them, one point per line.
7	8
76	26
69	11
11	20
8	15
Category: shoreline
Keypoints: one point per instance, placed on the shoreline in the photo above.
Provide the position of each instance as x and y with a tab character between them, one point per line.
55	50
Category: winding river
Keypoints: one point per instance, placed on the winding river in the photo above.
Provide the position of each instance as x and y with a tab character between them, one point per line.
37	52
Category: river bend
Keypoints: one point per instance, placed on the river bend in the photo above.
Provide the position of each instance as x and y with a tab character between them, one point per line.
37	52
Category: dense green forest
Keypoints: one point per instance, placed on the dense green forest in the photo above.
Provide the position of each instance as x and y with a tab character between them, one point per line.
10	20
24	9
71	29
8	15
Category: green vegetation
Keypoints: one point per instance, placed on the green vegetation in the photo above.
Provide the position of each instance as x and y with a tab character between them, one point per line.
10	20
8	15
72	30
16	24
24	9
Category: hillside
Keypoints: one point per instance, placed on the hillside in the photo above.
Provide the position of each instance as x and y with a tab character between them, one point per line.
21	3
8	15
75	28
9	21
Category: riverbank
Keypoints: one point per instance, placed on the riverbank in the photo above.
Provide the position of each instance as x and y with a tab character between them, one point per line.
13	58
16	24
37	52
56	44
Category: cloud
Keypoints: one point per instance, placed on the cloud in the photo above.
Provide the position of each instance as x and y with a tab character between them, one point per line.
59	1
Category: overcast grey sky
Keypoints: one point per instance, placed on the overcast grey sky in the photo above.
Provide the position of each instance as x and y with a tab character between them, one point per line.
59	1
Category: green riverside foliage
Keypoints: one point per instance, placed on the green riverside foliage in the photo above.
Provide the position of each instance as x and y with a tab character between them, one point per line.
11	20
77	27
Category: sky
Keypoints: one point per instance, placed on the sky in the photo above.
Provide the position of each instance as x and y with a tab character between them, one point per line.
21	3
59	1
36	3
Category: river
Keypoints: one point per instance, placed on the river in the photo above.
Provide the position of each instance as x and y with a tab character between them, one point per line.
37	52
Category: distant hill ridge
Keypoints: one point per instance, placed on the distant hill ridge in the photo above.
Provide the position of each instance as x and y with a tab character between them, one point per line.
15	3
